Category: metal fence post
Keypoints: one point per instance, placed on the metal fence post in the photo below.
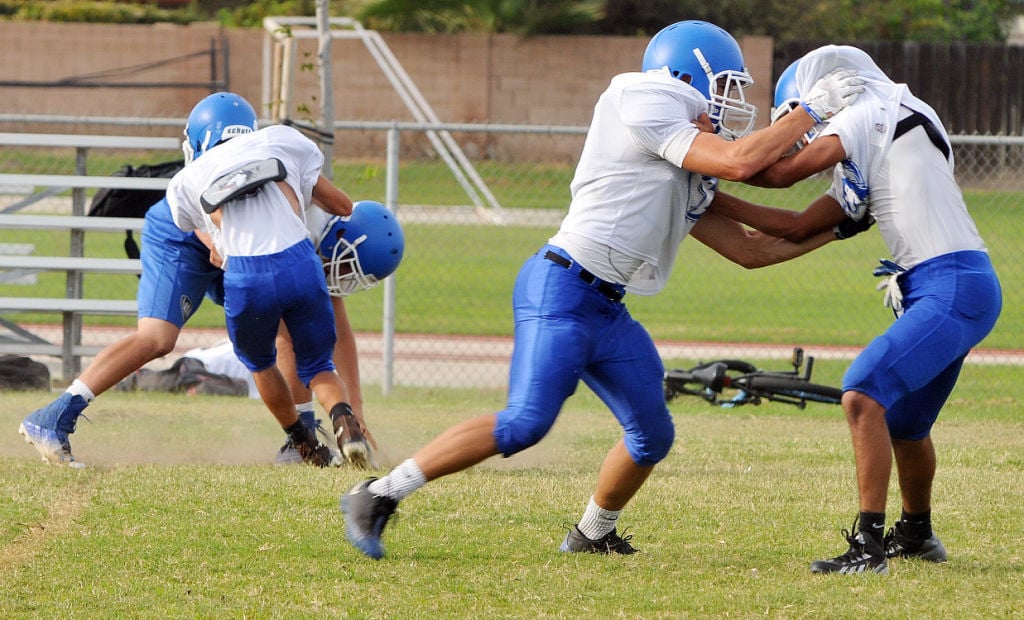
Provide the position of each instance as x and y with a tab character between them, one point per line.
74	287
388	327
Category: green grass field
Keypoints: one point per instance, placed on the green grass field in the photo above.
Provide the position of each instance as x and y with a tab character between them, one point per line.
457	279
826	298
183	515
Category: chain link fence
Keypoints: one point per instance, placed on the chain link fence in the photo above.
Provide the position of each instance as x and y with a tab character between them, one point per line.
452	294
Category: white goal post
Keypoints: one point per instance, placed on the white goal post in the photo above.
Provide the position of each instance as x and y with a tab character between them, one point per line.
281	35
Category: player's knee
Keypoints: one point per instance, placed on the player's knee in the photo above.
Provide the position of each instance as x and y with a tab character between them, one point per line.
652	446
156	337
316	372
908	430
515	434
855	399
860	406
910	423
156	345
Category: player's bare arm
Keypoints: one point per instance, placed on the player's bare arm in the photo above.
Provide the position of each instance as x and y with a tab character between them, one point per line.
751	249
740	159
215	258
821	215
331	198
821	154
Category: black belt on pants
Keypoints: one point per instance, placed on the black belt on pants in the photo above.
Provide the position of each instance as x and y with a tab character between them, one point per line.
602	287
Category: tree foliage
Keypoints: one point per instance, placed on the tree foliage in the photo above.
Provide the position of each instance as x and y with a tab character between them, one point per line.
978	21
517	16
936	21
91	12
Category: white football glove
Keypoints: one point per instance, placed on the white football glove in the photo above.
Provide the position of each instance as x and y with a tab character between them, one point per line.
893	296
832	93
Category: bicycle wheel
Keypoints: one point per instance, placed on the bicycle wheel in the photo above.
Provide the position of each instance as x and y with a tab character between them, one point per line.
792	387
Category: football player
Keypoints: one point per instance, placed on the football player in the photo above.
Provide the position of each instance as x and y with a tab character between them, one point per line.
358	252
892	164
176	275
644	181
249	195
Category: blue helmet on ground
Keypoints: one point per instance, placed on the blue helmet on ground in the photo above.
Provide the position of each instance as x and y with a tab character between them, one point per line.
709	59
218	117
360	250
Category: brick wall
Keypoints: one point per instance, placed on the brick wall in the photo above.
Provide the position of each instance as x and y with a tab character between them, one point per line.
464	78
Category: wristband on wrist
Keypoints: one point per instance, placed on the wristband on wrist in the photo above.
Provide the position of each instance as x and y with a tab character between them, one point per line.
817	119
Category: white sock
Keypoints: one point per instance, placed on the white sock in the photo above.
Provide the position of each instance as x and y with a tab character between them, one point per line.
307	414
77	388
596	521
401	482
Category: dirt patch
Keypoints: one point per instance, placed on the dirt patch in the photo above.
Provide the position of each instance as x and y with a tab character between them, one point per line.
59	521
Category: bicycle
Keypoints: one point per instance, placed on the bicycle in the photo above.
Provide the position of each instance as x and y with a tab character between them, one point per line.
712	380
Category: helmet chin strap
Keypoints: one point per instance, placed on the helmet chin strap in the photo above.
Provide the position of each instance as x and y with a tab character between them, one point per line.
205	146
706	66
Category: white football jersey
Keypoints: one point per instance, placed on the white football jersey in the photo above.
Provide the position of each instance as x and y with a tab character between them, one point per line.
907	184
632	203
259	224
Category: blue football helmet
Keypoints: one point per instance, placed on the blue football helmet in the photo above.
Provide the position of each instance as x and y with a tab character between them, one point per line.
709	59
787	99
217	118
360	250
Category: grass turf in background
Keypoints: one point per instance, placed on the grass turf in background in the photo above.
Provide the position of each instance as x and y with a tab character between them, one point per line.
184	515
827	297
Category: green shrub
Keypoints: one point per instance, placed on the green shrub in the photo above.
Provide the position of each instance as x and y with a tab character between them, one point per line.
232	13
251	14
93	12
